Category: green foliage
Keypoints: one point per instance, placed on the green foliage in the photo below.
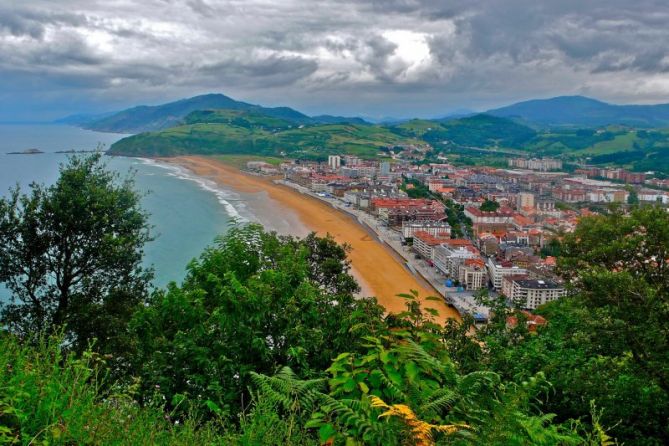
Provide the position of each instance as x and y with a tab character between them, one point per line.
52	398
480	131
71	256
239	118
415	189
243	133
489	206
253	303
410	367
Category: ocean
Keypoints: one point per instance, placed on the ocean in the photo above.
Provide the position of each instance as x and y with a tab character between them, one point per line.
186	212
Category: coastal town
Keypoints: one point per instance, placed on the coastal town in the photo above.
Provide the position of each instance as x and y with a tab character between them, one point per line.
470	231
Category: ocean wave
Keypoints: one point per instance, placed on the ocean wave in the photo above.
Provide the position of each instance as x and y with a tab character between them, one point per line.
225	197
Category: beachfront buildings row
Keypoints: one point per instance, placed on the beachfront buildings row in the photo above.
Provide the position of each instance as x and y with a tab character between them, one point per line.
543	164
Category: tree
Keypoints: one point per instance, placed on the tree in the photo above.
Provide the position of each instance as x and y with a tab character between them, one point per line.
489	206
618	264
71	255
254	302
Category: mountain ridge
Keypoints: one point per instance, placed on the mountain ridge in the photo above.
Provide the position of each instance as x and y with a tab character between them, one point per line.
143	118
582	111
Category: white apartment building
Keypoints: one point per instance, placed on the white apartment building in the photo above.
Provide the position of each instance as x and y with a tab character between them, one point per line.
496	272
425	244
434	228
334	162
448	260
472	277
531	293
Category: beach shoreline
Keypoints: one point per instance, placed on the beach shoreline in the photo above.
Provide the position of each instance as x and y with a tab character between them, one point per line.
379	270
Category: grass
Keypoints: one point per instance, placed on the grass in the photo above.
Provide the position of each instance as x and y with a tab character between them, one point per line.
240	161
620	143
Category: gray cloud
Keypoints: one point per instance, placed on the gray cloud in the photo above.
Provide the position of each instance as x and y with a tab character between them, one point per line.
378	57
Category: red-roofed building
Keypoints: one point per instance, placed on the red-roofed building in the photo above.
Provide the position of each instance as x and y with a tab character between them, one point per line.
477	216
424	243
533	321
472	274
396	210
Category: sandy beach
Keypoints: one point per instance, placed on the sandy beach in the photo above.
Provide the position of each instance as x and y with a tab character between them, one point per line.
379	270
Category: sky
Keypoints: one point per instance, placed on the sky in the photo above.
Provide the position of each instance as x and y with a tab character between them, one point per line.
373	58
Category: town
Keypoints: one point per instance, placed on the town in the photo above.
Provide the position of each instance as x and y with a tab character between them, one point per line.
470	231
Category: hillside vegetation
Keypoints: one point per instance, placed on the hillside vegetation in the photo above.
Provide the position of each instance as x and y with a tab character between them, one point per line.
235	132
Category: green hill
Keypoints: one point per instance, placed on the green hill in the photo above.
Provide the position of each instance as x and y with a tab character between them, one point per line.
239	132
474	131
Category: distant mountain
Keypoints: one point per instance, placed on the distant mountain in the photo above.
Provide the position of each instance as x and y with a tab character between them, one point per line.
145	118
81	119
329	119
580	111
149	118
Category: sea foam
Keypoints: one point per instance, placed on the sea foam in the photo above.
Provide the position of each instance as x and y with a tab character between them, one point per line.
237	211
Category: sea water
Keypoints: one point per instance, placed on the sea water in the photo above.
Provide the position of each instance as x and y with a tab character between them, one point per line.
186	212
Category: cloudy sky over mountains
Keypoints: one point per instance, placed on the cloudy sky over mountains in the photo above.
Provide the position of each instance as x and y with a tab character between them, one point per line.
375	58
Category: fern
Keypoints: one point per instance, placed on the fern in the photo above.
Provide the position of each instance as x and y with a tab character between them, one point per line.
291	393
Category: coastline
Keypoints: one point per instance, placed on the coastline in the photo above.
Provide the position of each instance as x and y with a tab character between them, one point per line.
379	270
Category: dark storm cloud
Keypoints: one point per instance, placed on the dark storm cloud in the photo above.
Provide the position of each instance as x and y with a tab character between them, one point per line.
263	72
422	57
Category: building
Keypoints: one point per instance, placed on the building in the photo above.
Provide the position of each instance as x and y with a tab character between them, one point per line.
478	216
435	228
525	200
394	211
384	168
542	164
351	160
472	274
498	270
425	243
653	196
530	294
532	321
448	259
614	174
334	162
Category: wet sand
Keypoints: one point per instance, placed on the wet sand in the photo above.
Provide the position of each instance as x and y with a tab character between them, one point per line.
380	271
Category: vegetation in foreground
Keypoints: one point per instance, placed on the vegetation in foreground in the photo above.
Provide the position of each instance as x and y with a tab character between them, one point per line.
264	343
